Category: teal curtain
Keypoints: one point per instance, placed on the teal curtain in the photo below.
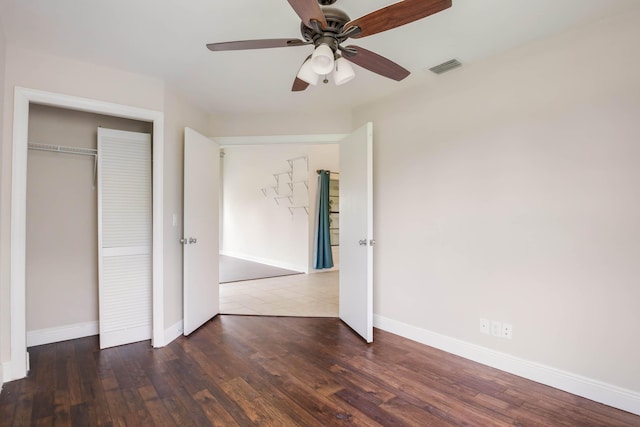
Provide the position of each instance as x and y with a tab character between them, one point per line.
322	240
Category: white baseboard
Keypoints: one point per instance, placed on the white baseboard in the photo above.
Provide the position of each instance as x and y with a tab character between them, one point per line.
9	372
173	332
268	261
80	330
62	333
617	397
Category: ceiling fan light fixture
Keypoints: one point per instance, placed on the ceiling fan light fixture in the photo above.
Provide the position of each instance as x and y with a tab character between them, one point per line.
322	59
343	72
307	74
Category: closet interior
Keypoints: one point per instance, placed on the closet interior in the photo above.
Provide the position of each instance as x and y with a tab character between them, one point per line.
62	221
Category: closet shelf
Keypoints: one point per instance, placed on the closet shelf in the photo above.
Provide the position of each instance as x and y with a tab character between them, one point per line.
69	150
62	149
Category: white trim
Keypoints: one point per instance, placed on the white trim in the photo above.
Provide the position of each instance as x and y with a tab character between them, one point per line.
18	367
173	331
230	141
268	261
22	98
157	326
61	333
608	394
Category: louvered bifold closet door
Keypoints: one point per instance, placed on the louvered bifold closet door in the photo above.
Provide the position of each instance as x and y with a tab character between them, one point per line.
124	236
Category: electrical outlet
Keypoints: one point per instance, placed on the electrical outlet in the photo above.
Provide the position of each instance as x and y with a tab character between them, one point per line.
485	327
496	328
507	331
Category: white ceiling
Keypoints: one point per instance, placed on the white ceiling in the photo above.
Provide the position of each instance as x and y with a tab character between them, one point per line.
166	38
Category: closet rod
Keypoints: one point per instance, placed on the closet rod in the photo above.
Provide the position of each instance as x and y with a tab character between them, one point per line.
70	150
61	149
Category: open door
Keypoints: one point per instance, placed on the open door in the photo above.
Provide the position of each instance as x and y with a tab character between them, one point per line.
200	230
356	231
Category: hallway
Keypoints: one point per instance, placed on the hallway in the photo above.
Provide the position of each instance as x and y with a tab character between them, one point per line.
307	295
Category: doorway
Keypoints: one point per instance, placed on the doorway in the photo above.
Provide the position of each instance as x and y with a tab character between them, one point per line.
23	98
268	222
356	274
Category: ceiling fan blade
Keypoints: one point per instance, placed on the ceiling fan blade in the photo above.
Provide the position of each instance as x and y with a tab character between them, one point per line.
299	85
374	62
309	10
395	15
255	44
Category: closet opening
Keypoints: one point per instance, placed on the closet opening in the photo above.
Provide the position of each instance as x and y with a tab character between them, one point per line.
24	98
61	266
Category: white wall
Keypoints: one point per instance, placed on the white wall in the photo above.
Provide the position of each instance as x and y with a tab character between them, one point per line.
509	191
179	112
307	122
62	218
255	227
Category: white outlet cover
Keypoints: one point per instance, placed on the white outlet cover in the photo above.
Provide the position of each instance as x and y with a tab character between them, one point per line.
485	326
507	330
496	328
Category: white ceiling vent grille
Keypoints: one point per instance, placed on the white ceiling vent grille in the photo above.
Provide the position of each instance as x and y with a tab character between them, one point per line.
446	66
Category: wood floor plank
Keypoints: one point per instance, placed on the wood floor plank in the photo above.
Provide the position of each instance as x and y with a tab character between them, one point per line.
277	371
261	382
412	415
215	412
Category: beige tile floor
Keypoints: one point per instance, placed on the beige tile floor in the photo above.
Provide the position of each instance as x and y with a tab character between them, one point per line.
310	295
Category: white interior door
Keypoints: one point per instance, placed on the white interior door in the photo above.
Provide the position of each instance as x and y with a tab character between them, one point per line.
124	237
200	232
356	231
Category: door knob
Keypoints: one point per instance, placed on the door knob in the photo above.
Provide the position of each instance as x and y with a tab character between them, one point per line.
193	240
363	242
184	241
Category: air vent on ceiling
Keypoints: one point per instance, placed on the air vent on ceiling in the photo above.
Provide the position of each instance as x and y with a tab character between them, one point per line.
446	66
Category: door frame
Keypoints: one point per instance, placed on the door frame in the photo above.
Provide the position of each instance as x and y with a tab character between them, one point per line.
19	363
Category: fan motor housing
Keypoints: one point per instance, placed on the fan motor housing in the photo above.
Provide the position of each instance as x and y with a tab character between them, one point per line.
336	19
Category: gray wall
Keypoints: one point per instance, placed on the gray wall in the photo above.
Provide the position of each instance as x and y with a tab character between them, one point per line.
62	233
509	190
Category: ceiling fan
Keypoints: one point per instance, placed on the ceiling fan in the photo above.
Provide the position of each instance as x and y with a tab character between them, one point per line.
326	28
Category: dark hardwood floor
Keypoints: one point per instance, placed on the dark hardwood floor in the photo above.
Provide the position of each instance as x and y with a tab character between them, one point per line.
275	371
